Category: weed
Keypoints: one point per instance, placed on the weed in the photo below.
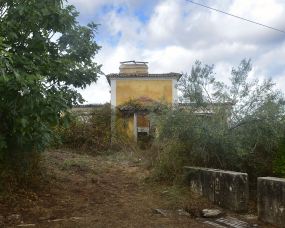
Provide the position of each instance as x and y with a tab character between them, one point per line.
80	163
66	165
20	169
145	140
167	158
94	172
91	133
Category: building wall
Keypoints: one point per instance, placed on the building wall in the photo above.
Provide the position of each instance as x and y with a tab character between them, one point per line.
155	89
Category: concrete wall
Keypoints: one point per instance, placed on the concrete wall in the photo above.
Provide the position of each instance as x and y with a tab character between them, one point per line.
226	189
271	200
133	68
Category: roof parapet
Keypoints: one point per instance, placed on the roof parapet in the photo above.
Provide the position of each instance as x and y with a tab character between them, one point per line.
133	67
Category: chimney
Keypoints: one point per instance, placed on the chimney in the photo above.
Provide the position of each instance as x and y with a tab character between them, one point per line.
133	67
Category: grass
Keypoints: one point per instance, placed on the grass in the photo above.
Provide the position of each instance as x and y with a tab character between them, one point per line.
81	163
126	157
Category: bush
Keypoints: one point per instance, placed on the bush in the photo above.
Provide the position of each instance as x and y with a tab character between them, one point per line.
211	143
145	140
91	132
279	161
236	127
19	169
170	157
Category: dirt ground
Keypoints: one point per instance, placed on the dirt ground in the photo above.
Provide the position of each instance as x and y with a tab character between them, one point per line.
104	191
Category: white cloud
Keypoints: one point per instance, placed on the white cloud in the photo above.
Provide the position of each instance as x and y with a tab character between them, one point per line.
262	11
164	22
173	59
96	93
178	32
273	56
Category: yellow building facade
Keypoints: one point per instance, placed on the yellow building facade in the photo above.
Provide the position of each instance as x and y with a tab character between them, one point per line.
134	82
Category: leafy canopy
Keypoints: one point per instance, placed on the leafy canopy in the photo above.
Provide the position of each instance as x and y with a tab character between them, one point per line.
39	73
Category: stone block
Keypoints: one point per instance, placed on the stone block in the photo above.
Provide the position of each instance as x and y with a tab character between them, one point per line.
271	200
226	189
208	178
231	190
211	213
193	179
11	217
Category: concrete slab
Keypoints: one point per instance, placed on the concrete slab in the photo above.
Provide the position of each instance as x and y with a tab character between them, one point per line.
271	200
226	222
226	189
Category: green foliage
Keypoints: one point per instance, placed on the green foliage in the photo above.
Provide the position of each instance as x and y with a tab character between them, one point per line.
68	164
138	103
193	86
131	102
170	158
38	74
236	127
145	140
90	132
279	162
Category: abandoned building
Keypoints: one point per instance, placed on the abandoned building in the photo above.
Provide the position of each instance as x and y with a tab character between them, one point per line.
133	82
134	91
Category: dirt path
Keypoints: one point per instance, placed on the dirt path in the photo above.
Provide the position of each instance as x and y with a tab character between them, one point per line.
84	191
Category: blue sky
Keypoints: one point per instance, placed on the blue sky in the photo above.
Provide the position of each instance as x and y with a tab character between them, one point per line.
172	34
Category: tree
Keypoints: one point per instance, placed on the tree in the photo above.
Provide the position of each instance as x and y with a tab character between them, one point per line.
249	99
39	74
236	127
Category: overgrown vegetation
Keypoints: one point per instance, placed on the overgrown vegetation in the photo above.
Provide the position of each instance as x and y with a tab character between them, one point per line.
91	132
279	161
139	103
19	170
145	140
236	127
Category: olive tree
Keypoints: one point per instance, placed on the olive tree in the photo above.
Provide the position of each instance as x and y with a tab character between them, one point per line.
237	126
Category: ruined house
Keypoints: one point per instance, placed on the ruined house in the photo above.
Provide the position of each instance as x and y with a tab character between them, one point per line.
135	83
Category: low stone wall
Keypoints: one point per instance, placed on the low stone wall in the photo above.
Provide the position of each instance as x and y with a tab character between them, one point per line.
226	189
271	200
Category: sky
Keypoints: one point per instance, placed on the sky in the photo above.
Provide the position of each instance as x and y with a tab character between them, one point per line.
172	34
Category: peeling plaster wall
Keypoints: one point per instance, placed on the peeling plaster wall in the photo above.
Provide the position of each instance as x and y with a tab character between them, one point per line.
155	89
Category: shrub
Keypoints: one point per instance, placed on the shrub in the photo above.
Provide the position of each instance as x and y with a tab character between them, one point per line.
236	127
170	158
91	132
20	169
145	140
279	161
